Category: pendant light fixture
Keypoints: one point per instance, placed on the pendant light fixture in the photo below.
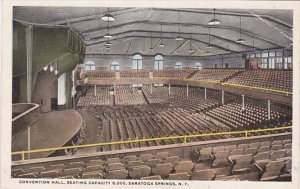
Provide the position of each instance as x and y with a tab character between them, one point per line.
253	46
51	68
177	51
179	38
214	21
227	48
209	45
191	49
45	68
56	68
240	40
107	35
108	43
161	42
151	47
108	17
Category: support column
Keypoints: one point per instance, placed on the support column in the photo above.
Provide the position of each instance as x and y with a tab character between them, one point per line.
205	94
28	142
74	87
169	89
29	38
187	90
243	102
222	97
115	90
269	109
95	90
151	90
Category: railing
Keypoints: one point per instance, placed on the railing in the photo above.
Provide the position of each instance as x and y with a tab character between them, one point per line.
184	137
29	115
199	81
258	88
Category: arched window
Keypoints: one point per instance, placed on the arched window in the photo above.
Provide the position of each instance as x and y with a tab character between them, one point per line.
114	66
158	62
89	65
198	65
137	63
178	65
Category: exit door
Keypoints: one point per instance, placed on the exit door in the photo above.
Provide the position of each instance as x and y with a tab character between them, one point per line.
53	104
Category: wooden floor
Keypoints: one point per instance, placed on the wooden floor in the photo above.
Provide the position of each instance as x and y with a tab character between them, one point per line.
91	131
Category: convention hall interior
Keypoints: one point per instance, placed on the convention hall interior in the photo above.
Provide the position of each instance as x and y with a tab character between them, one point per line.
152	93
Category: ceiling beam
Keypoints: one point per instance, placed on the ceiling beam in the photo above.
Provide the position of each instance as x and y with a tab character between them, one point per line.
129	46
201	51
134	36
249	34
155	45
92	17
182	33
179	47
193	11
100	28
229	13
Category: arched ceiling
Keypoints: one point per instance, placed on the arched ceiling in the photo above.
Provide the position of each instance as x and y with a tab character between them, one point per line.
135	28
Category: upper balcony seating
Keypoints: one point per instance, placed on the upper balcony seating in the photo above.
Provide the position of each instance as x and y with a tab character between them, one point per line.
174	73
134	73
271	79
218	75
98	74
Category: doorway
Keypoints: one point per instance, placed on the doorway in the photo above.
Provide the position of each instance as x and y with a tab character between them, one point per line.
53	104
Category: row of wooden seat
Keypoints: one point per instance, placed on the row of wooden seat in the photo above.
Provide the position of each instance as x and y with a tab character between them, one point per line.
134	73
254	115
129	96
101	98
271	160
274	79
98	74
216	74
174	73
150	121
265	161
178	95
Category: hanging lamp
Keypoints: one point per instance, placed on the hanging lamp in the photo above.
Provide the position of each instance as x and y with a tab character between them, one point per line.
151	47
179	38
253	46
161	42
209	45
177	50
107	35
45	68
108	17
191	49
214	21
240	40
